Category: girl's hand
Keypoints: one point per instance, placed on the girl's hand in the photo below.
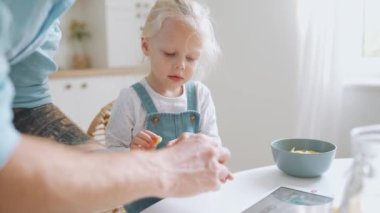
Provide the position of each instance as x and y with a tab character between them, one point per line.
145	140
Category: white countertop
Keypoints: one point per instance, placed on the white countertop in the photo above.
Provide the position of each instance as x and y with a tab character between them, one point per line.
250	186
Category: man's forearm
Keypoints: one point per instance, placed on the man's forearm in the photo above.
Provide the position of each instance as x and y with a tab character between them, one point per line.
44	176
90	146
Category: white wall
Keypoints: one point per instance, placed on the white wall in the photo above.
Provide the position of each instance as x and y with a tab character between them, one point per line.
360	101
254	86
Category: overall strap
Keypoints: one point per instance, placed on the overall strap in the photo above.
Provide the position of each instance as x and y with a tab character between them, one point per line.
191	93
144	97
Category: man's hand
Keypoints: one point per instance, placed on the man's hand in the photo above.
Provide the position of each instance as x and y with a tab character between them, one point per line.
197	163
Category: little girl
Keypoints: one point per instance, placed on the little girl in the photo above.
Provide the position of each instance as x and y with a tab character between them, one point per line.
178	39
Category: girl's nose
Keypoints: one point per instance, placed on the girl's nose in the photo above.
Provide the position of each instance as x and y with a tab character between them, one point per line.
180	65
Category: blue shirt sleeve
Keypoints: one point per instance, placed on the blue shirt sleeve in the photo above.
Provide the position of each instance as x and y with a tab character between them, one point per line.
31	21
29	33
9	137
35	36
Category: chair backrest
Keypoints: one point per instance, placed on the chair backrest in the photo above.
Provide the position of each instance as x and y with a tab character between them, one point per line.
97	128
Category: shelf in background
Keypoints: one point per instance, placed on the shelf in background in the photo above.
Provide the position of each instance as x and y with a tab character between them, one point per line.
95	72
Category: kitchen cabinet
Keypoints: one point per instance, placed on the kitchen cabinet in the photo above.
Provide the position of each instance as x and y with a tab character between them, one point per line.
124	20
81	97
115	28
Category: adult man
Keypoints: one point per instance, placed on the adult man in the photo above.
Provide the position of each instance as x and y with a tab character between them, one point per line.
37	175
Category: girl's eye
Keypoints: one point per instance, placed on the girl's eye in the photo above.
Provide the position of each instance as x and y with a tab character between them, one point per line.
191	59
169	54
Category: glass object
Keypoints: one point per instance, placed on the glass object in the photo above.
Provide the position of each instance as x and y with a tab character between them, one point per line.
362	191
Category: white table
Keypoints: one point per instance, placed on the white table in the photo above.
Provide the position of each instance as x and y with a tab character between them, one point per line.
250	186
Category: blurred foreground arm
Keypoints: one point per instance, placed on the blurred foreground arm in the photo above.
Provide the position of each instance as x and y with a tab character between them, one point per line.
47	177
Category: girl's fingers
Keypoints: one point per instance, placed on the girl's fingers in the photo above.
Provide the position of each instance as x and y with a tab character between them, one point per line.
144	135
152	138
142	140
135	146
150	134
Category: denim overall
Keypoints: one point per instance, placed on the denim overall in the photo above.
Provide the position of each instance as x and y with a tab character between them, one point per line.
169	126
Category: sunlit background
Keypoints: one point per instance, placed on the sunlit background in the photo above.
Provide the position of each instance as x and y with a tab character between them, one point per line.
291	68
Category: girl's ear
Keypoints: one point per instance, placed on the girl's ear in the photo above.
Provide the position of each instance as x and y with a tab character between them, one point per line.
145	46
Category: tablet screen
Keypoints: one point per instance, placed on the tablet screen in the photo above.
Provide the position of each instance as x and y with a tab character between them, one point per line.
287	200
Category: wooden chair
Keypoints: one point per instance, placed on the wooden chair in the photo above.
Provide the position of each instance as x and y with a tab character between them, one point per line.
97	128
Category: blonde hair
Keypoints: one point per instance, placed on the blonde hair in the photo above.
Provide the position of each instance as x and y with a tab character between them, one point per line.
194	14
